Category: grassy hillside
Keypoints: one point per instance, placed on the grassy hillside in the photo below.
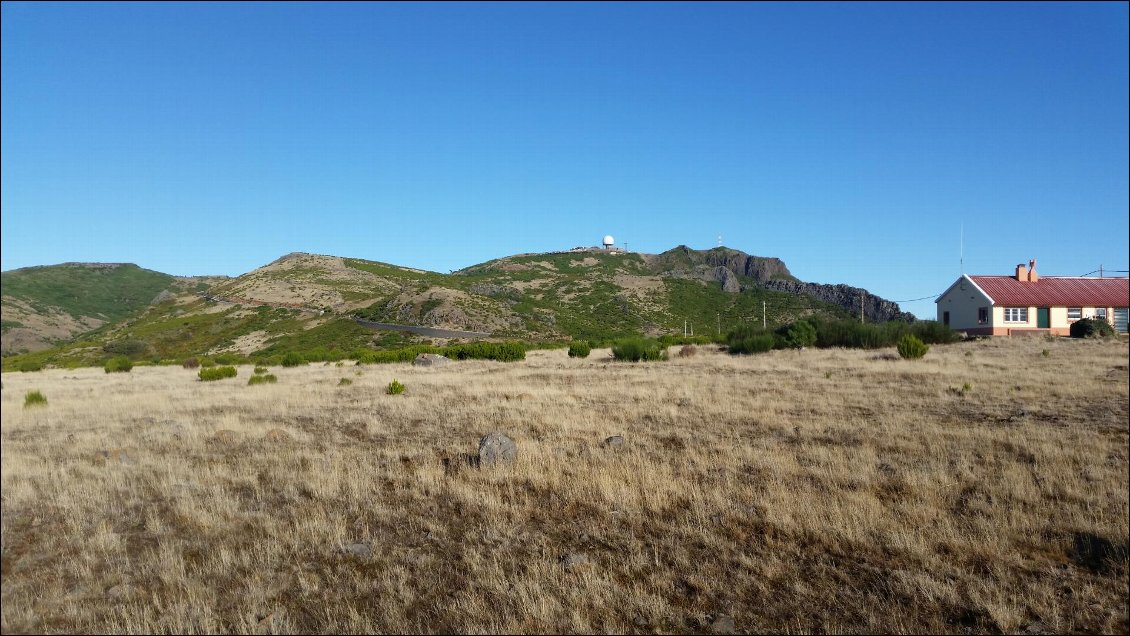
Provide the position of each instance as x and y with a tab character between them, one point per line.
108	292
306	302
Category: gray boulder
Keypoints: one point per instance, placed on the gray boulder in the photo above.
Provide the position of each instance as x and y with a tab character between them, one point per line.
430	360
496	448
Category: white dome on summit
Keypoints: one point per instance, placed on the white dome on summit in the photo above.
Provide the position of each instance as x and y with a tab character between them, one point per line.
608	240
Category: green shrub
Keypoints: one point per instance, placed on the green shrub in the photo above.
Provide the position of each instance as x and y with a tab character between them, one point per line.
750	339
268	378
118	364
934	332
217	373
911	348
260	370
800	334
637	349
1091	328
395	388
579	349
34	398
130	347
293	359
344	382
206	362
28	366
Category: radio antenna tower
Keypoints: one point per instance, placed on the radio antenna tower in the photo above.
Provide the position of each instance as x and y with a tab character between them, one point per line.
719	240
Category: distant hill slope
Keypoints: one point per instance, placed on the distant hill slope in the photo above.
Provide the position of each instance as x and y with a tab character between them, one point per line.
42	306
302	302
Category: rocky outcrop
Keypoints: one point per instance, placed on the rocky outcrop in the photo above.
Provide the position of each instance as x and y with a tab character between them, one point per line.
875	309
683	259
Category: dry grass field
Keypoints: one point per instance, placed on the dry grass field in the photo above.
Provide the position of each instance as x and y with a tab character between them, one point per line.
980	489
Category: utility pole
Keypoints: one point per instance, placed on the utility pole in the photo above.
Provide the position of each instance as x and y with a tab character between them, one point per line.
861	308
684	327
763	314
1100	270
719	315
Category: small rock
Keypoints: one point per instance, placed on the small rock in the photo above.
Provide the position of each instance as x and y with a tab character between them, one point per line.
430	360
120	591
119	456
496	448
722	624
616	442
359	550
574	559
277	435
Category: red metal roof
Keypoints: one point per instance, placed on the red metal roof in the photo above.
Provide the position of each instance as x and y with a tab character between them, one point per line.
1060	291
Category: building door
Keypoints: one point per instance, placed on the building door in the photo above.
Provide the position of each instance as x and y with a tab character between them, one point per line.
1042	319
946	318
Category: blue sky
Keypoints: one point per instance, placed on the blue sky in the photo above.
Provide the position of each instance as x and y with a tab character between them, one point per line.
850	140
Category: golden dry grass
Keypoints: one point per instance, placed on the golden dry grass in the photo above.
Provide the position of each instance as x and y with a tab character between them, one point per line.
797	491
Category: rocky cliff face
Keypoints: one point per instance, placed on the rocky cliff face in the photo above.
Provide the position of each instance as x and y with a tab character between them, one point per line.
875	309
683	259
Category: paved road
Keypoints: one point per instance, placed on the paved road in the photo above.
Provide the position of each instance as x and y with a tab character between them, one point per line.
423	331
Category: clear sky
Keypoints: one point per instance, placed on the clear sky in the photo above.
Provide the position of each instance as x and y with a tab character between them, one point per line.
850	140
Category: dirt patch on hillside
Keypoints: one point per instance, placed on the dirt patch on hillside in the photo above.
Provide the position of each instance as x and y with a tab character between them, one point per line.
39	330
312	281
246	344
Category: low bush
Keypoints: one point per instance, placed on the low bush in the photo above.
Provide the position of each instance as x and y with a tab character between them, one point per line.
34	398
637	349
207	362
28	366
191	363
344	382
260	370
579	349
293	359
911	348
217	373
394	388
750	339
129	347
1091	328
118	364
688	351
268	378
799	334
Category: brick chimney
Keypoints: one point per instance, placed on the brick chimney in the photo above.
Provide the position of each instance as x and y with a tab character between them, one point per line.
1032	275
1021	273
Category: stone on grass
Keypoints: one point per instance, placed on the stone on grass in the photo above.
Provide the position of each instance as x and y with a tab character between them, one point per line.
359	550
722	624
616	442
430	360
277	435
496	448
574	560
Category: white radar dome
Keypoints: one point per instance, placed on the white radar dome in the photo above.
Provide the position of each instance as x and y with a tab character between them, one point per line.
608	240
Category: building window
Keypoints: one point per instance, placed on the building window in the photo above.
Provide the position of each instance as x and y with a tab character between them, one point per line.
1100	313
982	315
1016	314
1074	313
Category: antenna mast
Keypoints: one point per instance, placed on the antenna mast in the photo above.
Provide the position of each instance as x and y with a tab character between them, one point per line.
961	258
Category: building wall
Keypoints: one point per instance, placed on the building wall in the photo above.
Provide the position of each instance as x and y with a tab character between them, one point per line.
963	305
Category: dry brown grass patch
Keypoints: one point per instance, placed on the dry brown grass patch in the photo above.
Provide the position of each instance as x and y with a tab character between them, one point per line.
794	491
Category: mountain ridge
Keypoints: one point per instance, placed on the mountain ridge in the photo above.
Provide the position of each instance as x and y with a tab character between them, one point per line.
302	299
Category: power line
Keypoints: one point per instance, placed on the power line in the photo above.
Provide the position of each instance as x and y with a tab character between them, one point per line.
914	299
